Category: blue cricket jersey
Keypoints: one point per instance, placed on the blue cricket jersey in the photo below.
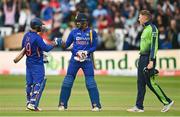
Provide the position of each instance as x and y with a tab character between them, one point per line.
34	46
81	41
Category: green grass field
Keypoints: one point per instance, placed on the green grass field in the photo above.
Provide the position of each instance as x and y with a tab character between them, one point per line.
117	93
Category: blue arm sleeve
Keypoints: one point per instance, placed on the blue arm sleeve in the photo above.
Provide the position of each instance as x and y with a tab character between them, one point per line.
22	46
43	46
23	41
74	51
94	42
70	39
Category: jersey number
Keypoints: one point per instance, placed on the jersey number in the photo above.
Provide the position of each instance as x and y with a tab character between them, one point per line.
28	49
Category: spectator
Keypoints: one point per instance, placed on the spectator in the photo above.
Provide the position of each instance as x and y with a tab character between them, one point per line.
1	42
164	43
177	12
103	13
55	5
109	39
100	11
132	18
102	22
9	8
119	20
25	17
166	5
173	35
131	41
47	14
65	9
1	14
35	7
91	5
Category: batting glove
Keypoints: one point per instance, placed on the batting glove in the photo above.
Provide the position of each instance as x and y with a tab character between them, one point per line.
84	54
58	41
81	56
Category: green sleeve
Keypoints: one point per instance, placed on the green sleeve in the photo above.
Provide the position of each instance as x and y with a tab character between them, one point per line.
154	42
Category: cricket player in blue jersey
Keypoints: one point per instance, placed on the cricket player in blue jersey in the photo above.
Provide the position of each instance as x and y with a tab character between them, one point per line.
84	43
35	73
146	65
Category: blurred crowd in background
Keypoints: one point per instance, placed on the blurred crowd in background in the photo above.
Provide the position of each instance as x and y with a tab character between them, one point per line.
116	21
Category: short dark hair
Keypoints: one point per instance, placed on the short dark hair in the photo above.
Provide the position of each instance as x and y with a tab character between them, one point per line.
146	13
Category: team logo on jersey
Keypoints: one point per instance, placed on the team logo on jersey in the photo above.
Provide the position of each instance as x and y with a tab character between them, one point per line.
78	33
82	41
78	38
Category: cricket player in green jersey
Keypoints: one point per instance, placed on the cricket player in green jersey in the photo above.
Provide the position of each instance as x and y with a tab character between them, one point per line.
146	65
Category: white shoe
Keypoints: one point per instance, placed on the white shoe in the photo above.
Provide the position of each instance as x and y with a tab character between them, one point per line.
135	109
96	109
27	109
167	107
61	108
32	108
27	103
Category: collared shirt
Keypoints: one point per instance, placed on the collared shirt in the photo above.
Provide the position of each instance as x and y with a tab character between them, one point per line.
149	40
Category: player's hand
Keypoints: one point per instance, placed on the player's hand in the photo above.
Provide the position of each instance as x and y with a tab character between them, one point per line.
78	56
84	54
150	65
81	55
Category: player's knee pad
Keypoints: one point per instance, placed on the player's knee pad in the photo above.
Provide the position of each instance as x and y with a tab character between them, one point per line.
38	89
68	81
35	91
90	82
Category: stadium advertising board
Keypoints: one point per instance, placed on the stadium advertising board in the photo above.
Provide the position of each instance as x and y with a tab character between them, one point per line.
106	62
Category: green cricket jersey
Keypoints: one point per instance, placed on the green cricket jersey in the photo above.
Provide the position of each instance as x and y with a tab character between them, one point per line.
149	40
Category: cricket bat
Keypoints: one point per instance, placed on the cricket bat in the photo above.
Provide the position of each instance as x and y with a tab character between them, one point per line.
19	56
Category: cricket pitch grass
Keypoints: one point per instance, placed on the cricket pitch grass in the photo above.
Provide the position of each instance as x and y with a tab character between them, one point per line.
117	93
